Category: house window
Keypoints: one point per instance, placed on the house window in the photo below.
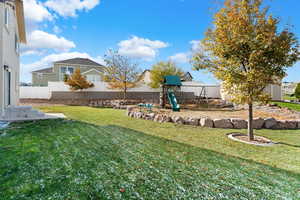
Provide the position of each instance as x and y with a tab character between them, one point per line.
93	78
17	47
6	17
40	76
67	70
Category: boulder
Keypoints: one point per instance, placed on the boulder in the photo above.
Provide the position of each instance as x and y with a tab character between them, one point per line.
138	115
270	123
258	123
150	116
239	123
178	120
206	122
298	124
223	123
281	124
129	109
166	119
192	121
158	118
291	124
131	114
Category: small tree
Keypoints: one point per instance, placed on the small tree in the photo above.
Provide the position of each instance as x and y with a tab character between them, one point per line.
247	52
77	82
120	73
159	71
297	91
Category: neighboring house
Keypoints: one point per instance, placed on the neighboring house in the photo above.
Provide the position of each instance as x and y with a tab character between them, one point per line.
12	32
288	88
146	77
57	72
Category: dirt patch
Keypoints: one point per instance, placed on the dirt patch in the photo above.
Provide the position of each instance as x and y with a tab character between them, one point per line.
261	111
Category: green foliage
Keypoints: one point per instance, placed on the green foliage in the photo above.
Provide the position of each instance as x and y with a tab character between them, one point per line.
292	106
297	91
120	72
77	81
162	69
246	51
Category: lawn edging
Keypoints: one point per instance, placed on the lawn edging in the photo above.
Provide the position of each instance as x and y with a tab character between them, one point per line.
232	123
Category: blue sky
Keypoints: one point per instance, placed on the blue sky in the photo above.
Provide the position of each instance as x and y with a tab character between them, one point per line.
146	30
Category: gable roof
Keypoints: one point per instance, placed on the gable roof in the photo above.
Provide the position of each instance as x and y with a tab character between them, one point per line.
45	70
79	61
187	77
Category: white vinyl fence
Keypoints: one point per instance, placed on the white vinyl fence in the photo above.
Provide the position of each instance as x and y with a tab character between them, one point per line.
35	92
212	91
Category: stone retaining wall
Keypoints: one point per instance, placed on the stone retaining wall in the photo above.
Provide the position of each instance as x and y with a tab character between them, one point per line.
258	123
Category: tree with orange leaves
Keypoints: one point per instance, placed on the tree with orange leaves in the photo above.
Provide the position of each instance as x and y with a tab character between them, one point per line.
247	52
77	81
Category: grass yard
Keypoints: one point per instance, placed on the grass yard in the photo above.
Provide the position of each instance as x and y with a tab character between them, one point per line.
102	154
292	106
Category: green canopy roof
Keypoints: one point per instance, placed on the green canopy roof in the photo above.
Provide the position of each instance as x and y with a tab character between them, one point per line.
172	81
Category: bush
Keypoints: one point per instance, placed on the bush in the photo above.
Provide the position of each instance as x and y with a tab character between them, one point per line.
297	91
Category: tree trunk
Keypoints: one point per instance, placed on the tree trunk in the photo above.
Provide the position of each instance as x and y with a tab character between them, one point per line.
250	122
125	90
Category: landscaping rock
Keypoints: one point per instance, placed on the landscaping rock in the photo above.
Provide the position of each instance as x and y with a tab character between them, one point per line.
284	124
206	122
192	121
298	124
270	123
150	116
239	123
258	123
159	118
166	119
223	123
291	124
138	115
131	114
281	124
178	120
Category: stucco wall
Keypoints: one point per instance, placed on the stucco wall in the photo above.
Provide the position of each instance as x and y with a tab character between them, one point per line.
9	56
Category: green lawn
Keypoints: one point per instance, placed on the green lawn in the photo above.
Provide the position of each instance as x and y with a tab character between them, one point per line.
292	106
107	155
288	97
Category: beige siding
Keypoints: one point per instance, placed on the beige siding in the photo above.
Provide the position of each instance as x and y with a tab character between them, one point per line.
42	79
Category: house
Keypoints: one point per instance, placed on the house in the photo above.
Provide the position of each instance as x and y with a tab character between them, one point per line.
146	77
12	32
288	88
57	72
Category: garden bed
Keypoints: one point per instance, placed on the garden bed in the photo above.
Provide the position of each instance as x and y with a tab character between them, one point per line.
268	117
258	140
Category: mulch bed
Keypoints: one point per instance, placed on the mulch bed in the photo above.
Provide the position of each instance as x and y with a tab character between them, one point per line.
258	140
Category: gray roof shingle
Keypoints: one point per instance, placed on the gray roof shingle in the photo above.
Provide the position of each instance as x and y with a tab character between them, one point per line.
45	70
79	61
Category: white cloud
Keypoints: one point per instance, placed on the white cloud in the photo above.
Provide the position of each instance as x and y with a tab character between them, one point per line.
180	58
140	48
69	8
47	61
36	12
196	45
39	40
